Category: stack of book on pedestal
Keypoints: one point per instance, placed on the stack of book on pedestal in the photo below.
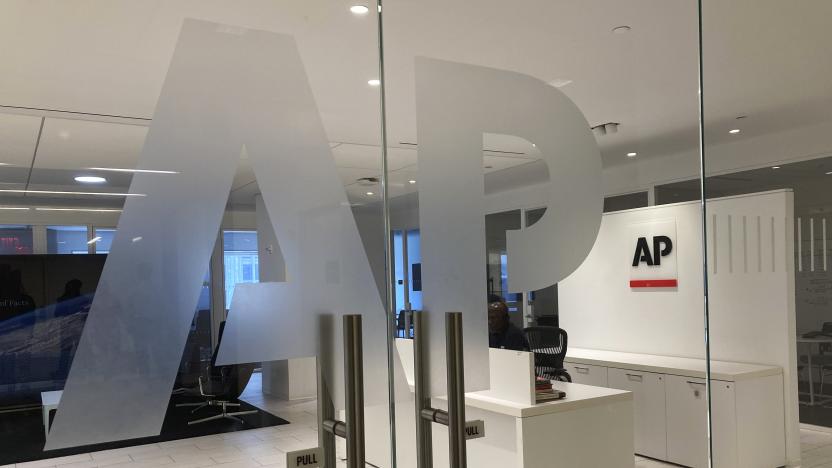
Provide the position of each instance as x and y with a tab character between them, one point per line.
544	392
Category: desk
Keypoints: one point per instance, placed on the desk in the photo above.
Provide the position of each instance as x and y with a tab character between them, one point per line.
812	342
591	427
50	401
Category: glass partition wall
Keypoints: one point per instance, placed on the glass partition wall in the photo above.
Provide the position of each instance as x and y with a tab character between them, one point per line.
237	177
205	158
766	158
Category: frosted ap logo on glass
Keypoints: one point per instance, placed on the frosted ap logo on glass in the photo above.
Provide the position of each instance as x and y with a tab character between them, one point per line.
208	112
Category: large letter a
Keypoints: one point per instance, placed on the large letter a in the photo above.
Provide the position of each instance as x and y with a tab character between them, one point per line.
226	88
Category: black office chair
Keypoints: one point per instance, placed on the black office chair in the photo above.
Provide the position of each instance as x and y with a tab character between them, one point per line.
221	387
549	347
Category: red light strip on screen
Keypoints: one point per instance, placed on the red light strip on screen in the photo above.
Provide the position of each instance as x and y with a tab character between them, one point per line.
654	283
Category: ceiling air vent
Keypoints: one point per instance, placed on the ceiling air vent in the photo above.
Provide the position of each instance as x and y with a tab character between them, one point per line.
367	181
605	128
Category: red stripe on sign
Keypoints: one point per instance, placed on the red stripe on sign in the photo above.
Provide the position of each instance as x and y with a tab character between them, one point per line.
655	283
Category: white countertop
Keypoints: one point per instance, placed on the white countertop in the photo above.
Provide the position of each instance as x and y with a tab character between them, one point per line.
686	367
578	396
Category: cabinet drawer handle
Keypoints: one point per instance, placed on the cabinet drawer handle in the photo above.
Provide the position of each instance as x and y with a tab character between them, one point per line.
696	383
582	370
635	377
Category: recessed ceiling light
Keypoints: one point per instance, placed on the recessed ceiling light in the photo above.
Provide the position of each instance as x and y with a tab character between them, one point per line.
775	167
17	208
829	173
90	179
621	29
5	164
141	171
359	9
560	82
370	194
374	82
411	181
734	131
632	155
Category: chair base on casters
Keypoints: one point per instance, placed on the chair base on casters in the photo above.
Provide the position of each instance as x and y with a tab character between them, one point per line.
234	416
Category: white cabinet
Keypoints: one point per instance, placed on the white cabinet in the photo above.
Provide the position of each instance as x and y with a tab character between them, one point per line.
670	406
587	374
649	408
687	421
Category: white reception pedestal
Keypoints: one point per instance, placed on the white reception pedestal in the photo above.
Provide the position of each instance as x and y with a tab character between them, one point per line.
591	428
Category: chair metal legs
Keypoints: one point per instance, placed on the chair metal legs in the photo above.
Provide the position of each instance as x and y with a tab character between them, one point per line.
223	415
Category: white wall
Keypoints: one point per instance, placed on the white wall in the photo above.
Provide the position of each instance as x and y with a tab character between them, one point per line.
751	290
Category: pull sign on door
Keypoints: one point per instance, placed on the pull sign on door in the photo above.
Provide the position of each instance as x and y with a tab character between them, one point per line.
306	458
474	429
652	254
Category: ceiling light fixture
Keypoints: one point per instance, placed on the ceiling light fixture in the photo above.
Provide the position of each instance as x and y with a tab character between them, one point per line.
374	82
411	181
829	173
59	192
775	167
93	240
359	9
621	29
370	194
140	171
93	210
560	82
17	208
90	179
632	155
734	131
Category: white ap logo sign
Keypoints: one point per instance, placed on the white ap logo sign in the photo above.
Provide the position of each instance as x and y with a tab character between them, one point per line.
230	90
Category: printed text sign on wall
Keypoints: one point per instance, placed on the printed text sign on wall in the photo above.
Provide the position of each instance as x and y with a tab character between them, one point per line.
652	254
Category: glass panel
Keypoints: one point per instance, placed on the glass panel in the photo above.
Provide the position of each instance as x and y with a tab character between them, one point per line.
15	240
67	240
226	117
508	129
240	260
768	190
625	202
103	240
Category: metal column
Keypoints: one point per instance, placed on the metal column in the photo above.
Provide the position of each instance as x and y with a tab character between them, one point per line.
424	441
454	418
354	380
353	428
456	389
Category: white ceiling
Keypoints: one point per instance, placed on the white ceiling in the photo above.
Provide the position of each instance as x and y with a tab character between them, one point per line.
767	59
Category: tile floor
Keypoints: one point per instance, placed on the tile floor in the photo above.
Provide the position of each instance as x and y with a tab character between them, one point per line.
268	446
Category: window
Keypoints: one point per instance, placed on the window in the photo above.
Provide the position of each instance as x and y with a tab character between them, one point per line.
15	239
105	240
240	260
67	240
